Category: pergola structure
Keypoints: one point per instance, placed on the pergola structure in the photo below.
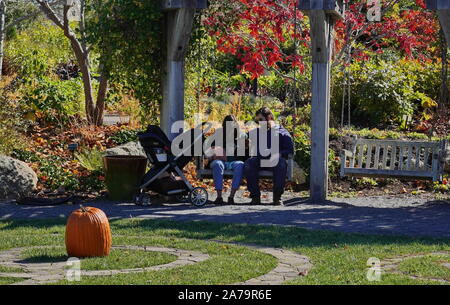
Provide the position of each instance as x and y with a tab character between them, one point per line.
442	8
179	16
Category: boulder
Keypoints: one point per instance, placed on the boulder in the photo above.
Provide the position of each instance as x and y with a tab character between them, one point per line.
299	175
18	180
128	149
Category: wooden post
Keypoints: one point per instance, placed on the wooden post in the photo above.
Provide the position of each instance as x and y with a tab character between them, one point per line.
442	7
179	18
321	36
178	31
444	18
322	15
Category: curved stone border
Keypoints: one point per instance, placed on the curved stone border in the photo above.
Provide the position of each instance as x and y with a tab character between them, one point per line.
291	265
391	265
42	273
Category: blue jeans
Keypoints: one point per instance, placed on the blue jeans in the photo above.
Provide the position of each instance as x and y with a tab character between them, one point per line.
252	168
218	169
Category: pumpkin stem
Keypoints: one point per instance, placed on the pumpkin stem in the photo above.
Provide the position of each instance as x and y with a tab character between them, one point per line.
83	208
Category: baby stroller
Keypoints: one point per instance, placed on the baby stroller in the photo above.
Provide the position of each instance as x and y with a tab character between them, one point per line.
165	176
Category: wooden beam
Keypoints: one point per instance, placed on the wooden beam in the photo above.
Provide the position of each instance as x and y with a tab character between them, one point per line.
177	4
335	8
322	40
177	33
444	18
438	4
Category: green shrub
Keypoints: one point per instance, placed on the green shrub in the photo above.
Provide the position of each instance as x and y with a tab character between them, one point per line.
386	88
90	159
364	183
12	127
55	100
417	136
441	188
53	175
301	135
25	155
124	136
38	49
94	182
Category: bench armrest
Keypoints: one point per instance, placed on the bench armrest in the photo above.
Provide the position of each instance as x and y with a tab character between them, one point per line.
346	154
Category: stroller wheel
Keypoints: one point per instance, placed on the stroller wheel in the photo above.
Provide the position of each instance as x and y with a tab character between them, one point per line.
198	196
142	199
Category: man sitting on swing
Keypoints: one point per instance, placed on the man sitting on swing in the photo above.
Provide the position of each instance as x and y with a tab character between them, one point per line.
270	147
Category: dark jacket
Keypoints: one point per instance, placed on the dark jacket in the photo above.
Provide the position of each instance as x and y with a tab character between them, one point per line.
286	144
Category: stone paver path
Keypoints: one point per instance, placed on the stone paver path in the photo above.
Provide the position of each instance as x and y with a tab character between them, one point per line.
413	216
391	265
290	265
42	273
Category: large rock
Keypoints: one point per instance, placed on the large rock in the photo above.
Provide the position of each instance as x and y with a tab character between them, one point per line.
18	180
128	149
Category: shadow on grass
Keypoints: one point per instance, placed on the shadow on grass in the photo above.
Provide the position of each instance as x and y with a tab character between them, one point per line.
322	220
274	236
44	259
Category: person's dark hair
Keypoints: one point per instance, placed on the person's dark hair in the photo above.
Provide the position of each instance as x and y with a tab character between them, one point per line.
266	113
229	118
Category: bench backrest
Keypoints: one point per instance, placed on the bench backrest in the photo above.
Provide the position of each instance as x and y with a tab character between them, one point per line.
395	156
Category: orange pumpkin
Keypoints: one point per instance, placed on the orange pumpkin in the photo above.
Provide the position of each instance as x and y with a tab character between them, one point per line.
88	233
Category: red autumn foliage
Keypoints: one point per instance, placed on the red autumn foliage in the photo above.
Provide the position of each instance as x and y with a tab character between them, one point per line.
259	32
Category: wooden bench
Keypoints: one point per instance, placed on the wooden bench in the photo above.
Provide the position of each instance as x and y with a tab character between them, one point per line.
203	172
390	158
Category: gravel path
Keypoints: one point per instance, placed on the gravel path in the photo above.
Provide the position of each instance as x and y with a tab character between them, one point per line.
373	215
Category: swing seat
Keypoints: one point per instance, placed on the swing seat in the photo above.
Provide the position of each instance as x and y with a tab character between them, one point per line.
396	159
206	173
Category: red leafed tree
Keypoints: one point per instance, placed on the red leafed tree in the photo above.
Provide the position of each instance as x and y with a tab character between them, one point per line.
405	25
259	32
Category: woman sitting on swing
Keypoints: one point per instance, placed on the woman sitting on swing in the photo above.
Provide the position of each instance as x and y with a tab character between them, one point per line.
220	161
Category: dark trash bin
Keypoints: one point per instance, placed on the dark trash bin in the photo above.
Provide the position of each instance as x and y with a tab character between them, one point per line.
123	174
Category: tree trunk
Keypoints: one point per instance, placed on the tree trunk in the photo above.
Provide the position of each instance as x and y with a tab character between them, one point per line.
101	97
94	113
87	80
2	32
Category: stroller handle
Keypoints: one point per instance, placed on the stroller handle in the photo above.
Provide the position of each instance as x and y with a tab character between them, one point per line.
208	126
198	138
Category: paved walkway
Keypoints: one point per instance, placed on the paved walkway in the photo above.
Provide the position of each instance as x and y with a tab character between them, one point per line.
373	215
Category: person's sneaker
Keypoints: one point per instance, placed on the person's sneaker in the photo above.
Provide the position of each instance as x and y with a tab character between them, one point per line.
277	199
218	201
230	201
255	201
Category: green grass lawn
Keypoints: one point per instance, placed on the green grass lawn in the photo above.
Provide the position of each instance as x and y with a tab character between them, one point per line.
10	269
117	258
428	266
338	258
8	280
